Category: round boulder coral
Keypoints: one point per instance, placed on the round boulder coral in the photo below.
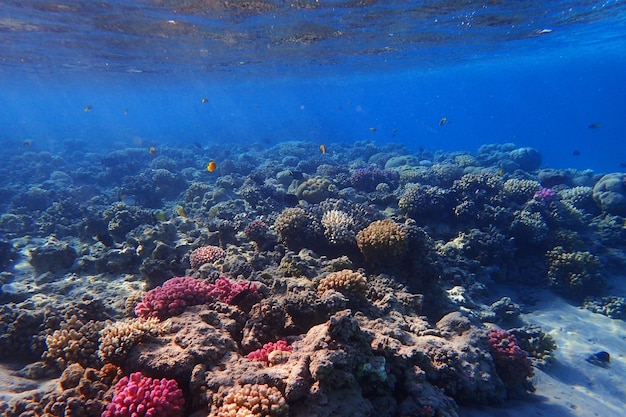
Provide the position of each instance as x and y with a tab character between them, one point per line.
206	254
610	193
528	159
250	400
314	190
383	242
345	280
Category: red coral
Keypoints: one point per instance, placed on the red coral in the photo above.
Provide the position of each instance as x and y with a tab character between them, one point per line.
140	396
512	363
228	292
261	354
173	297
205	255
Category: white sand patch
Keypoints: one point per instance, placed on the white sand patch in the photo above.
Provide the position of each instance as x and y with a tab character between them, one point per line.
571	386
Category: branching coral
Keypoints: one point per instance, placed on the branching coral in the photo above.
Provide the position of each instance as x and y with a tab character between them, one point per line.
575	274
117	338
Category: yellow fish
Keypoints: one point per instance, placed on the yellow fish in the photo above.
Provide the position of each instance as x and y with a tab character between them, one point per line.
160	215
180	210
211	166
323	148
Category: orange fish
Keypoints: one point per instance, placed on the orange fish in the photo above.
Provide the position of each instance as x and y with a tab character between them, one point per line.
152	150
323	148
211	166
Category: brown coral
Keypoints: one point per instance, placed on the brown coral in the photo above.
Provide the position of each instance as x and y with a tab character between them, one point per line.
345	280
206	254
382	242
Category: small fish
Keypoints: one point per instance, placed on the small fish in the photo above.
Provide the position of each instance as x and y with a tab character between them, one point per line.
125	112
180	210
152	150
500	172
87	108
27	143
595	126
160	215
601	358
443	121
211	166
372	129
296	174
204	100
323	148
576	152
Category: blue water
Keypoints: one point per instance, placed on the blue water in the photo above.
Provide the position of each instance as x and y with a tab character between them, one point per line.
534	73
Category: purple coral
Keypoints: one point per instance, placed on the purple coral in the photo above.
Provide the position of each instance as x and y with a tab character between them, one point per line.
512	363
545	195
366	179
172	297
140	396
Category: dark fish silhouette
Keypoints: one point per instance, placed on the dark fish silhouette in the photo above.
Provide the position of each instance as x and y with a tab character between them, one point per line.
595	126
576	152
105	239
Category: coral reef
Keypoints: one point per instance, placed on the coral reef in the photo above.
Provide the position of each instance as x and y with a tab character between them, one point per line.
250	400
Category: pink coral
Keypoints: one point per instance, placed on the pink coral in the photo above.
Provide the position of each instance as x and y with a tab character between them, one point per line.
512	363
172	297
140	396
206	254
262	354
227	291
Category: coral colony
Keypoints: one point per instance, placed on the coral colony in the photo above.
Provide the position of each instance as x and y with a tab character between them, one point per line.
291	282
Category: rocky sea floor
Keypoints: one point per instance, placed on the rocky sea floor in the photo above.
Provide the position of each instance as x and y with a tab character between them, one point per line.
365	280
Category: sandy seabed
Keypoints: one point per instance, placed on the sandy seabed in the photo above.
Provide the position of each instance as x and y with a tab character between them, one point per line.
570	386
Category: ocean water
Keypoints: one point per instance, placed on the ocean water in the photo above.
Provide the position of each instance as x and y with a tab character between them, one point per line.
533	73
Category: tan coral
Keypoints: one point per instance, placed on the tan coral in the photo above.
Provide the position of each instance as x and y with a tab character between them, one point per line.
250	400
117	338
382	242
345	280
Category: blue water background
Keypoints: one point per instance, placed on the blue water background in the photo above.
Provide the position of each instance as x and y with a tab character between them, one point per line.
543	91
